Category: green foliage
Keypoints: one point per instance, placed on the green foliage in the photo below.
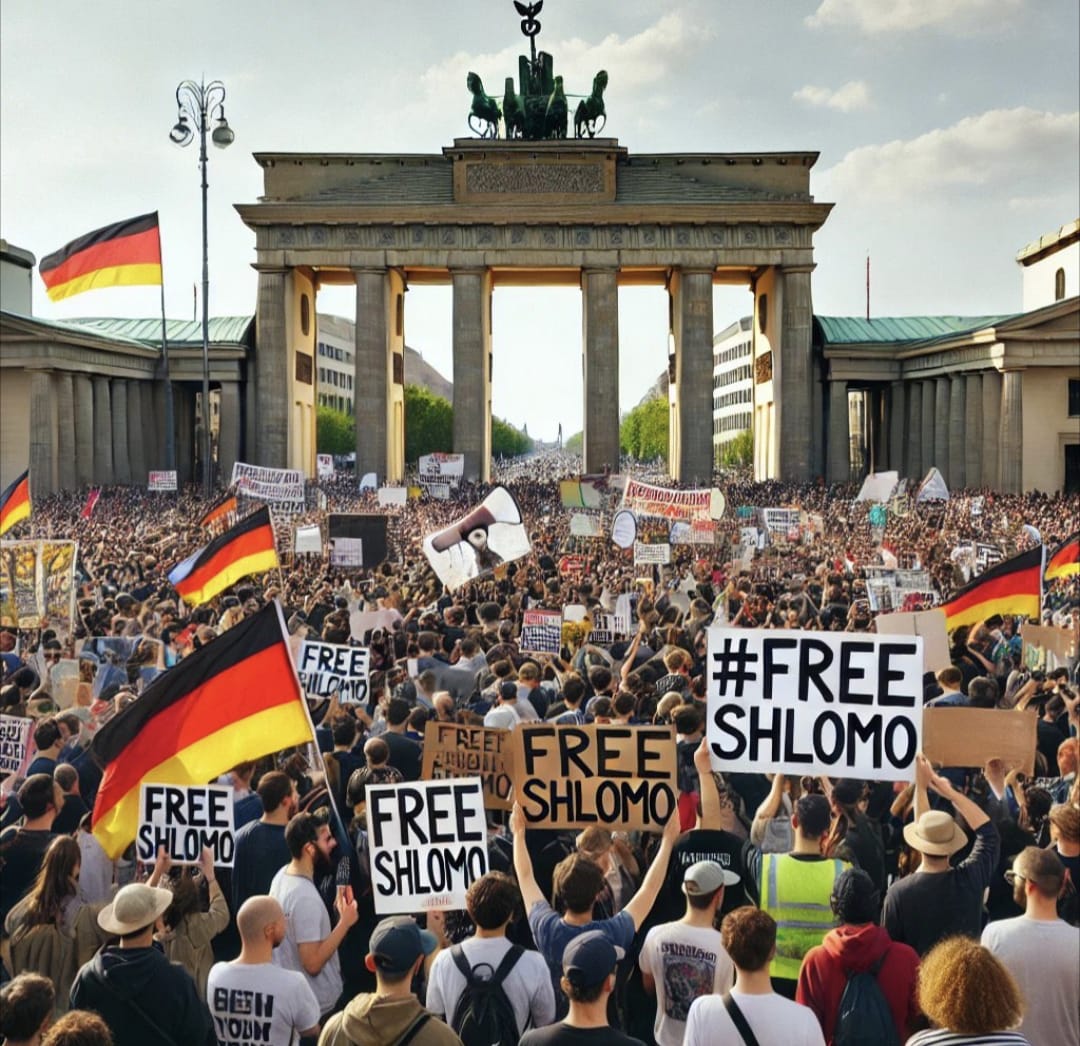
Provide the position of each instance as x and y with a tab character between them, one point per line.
334	432
429	423
575	444
507	441
739	451
644	431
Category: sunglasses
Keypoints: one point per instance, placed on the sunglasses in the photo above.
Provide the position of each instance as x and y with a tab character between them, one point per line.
1011	877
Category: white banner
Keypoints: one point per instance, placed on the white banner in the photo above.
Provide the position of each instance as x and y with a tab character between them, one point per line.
794	702
781	520
393	495
438	491
651	553
586	524
328	667
878	487
184	819
165	480
324	466
442	466
308	540
643	499
279	488
428	843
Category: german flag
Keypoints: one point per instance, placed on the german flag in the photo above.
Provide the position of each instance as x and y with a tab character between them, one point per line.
1065	559
1012	588
125	254
15	503
221	514
235	699
248	548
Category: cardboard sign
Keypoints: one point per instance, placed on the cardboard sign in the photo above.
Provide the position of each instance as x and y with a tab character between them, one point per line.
184	819
794	702
428	843
619	777
37	584
164	480
452	750
14	733
327	667
974	736
929	625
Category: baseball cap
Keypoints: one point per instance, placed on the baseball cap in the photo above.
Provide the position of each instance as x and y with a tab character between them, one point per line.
707	877
508	691
397	942
589	958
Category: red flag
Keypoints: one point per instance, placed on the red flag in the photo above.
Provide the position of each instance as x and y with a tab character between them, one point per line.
91	501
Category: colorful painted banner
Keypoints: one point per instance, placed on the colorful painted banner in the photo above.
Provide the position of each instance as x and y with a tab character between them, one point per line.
643	499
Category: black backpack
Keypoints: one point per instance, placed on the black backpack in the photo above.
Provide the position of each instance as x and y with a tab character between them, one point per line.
864	1018
483	1015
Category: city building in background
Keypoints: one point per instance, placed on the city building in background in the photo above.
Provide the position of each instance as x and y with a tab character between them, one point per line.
733	383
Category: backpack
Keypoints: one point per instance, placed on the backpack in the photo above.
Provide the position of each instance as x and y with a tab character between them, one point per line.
483	1015
864	1018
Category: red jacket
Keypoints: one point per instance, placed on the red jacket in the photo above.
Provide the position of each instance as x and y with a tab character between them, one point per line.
824	974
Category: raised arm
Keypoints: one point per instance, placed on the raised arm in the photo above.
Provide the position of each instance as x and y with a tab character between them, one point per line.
523	869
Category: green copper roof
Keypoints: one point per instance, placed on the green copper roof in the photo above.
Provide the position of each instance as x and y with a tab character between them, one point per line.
855	330
223	330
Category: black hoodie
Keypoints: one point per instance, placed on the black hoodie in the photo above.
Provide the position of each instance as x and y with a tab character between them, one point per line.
143	998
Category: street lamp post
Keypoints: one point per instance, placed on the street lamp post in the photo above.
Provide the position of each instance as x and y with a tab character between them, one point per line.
196	105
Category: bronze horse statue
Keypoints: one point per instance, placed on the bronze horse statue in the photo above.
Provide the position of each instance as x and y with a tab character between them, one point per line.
557	111
485	110
513	112
591	109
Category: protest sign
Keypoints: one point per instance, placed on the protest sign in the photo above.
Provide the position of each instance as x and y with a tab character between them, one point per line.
368	481
37	584
929	625
356	539
452	750
717	503
586	524
643	499
282	489
324	466
428	843
164	480
619	777
781	521
974	736
624	529
586	491
14	734
442	466
541	631
932	487
438	491
651	553
392	495
793	702
308	540
184	819
878	486
572	565
471	547
328	667
606	627
986	556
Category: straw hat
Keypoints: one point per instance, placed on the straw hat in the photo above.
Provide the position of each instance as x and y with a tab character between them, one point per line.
135	907
935	834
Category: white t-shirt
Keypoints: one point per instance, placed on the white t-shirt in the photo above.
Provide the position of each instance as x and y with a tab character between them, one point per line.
774	1020
306	920
685	962
503	717
1044	958
259	1004
527	985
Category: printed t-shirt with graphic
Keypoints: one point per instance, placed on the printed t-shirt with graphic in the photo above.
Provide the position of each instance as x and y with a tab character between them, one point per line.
259	1003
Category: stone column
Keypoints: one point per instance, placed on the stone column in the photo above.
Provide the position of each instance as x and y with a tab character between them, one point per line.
103	452
600	344
136	438
929	404
1011	452
472	370
229	430
153	433
43	435
693	377
957	471
84	430
941	427
65	431
991	430
121	458
973	430
272	370
839	433
795	395
372	374
897	421
184	406
913	451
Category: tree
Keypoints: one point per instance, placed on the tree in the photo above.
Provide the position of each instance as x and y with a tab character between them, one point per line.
334	432
644	431
507	441
429	422
738	451
575	444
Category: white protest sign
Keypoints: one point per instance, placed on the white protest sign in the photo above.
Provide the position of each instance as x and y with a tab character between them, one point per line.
651	553
326	667
324	466
624	528
428	843
794	702
369	481
308	540
442	465
393	495
161	480
184	819
586	524
14	733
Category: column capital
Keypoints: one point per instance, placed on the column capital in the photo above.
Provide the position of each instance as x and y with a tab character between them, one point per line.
272	270
793	269
369	270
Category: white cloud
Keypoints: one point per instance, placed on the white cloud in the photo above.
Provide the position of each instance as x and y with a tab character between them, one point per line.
899	16
1018	151
846	99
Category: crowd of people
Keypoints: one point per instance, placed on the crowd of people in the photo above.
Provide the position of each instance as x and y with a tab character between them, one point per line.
770	908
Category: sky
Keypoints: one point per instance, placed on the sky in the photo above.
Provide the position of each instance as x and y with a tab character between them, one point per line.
948	133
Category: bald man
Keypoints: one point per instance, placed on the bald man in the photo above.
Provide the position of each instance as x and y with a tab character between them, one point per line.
251	999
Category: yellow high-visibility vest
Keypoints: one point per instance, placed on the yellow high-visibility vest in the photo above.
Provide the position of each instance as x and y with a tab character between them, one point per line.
796	894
